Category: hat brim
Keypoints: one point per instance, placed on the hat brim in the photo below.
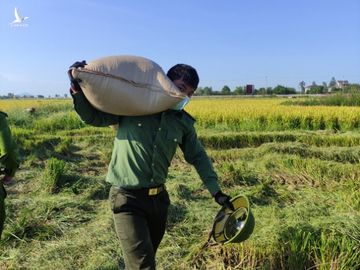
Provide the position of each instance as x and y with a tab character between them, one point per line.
234	226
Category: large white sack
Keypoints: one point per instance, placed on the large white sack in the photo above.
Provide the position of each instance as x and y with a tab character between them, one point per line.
127	85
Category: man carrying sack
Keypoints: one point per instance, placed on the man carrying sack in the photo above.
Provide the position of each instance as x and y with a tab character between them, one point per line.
143	149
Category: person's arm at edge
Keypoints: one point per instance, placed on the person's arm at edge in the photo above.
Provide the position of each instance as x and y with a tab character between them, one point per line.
8	150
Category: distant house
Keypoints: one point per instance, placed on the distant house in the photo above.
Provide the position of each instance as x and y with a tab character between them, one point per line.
341	84
307	88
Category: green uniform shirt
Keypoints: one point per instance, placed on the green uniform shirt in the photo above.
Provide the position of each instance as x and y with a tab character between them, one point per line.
145	145
8	156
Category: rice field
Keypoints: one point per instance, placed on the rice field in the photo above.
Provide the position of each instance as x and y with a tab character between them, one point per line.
7	105
298	165
239	114
269	114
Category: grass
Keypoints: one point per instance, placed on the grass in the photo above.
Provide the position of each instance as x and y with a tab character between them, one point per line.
302	184
53	175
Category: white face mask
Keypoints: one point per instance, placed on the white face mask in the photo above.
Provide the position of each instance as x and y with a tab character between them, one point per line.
181	105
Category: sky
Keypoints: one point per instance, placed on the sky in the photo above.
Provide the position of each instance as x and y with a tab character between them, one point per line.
230	42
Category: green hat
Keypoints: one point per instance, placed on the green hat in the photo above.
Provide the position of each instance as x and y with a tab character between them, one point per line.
234	226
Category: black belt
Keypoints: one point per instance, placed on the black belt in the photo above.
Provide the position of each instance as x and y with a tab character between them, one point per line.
151	191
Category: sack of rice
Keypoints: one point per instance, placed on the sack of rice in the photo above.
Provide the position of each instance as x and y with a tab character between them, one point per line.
127	85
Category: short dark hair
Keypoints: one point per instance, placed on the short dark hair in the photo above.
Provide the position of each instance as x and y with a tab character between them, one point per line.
188	73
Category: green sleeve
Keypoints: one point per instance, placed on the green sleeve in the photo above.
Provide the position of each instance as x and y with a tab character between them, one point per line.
91	115
195	154
8	157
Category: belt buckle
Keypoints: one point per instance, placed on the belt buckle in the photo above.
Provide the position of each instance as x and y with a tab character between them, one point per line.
153	191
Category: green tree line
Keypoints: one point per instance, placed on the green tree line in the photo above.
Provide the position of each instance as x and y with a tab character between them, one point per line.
324	88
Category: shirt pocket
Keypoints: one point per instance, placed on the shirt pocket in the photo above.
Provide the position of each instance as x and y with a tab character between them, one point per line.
173	137
131	128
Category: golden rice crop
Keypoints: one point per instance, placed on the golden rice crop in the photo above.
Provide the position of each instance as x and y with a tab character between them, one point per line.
12	104
242	113
260	113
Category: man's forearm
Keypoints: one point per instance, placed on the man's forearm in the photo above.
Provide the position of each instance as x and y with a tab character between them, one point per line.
91	115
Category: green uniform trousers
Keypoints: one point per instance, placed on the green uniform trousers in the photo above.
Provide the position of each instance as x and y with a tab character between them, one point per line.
2	207
140	221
